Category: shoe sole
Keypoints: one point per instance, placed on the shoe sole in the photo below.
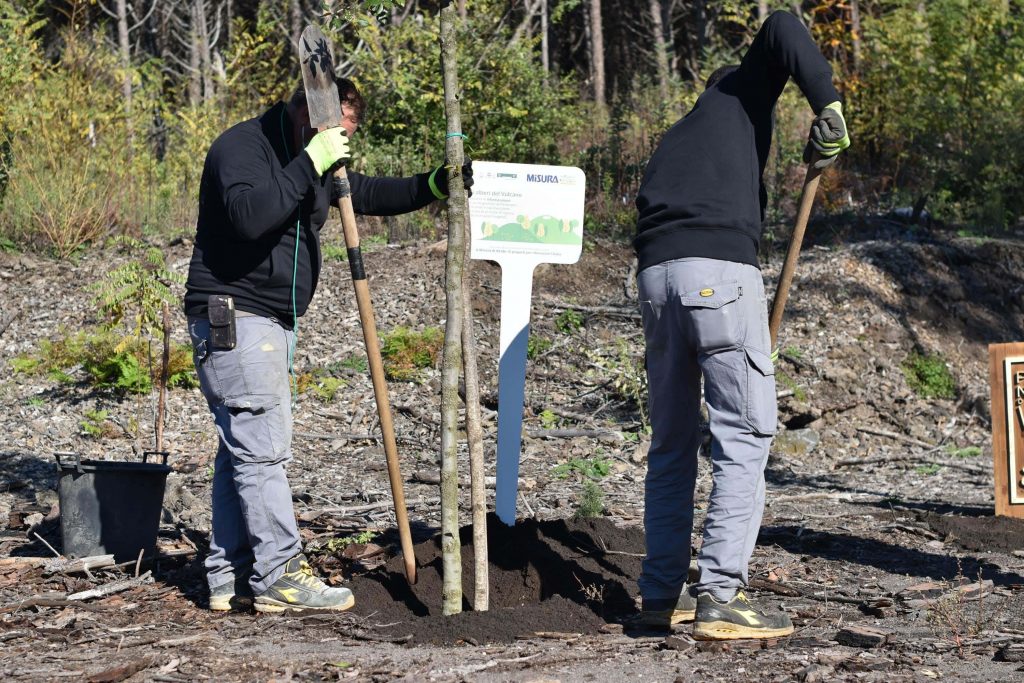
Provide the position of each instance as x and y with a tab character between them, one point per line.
270	606
682	615
724	630
227	605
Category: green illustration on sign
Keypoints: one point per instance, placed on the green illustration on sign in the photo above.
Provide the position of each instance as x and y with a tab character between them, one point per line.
540	230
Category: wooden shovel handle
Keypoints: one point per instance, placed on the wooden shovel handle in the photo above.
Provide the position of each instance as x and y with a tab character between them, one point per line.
380	387
803	214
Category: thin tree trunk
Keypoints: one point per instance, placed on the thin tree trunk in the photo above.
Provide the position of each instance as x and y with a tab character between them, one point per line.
126	65
855	34
597	53
660	49
195	82
295	18
451	591
545	56
762	11
475	439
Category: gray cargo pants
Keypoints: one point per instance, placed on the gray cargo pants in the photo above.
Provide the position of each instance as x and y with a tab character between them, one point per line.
248	392
705	317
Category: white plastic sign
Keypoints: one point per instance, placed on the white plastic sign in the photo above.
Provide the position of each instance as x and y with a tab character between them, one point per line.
522	215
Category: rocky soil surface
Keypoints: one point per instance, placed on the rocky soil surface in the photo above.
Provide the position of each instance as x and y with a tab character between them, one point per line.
878	538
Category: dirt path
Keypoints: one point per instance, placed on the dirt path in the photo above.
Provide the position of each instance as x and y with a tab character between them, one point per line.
880	501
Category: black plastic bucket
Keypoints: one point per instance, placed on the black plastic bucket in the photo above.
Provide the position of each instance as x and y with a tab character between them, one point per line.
110	507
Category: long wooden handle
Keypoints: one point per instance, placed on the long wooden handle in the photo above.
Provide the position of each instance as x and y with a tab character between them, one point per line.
803	214
380	387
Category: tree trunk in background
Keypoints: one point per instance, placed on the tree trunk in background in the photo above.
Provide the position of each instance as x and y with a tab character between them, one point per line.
660	49
597	52
762	11
126	64
545	56
195	81
451	551
855	34
295	20
205	50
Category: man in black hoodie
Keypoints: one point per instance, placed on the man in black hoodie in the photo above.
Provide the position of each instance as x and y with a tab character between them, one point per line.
701	207
263	198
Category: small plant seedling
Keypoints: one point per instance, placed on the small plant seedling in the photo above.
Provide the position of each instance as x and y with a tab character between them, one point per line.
591	501
335	252
548	419
35	402
535	346
355	362
966	452
792	352
929	469
928	376
569	321
96	425
592	468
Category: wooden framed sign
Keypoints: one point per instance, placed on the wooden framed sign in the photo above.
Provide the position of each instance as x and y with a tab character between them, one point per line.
1006	380
523	215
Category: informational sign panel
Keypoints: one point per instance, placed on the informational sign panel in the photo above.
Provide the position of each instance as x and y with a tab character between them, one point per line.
1006	378
522	215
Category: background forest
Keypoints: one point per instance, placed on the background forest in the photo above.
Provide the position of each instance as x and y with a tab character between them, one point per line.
108	106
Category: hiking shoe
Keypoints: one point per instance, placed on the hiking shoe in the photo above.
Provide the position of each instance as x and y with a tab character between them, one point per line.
737	618
299	589
229	596
662	614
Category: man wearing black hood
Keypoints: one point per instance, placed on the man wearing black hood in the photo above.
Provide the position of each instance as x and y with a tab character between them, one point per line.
701	208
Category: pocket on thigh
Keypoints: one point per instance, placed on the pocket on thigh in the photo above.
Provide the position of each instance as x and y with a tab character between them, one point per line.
762	407
714	316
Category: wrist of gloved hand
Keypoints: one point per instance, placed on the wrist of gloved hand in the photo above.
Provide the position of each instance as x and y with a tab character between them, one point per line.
828	136
327	149
438	179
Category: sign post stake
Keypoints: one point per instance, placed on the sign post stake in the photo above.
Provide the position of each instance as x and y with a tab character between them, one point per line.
1006	380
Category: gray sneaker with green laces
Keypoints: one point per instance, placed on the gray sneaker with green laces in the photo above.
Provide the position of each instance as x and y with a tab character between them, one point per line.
299	589
736	619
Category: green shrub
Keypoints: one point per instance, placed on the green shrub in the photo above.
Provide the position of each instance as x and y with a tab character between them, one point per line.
928	376
535	346
592	468
569	321
407	353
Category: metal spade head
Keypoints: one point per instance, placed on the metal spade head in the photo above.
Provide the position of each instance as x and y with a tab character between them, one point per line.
317	62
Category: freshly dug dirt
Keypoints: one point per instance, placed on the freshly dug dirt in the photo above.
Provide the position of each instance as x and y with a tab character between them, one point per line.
564	576
980	533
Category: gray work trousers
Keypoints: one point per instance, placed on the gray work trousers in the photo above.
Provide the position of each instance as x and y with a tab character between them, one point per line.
705	317
248	391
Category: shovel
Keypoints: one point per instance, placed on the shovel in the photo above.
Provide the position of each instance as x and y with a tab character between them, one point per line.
325	112
789	267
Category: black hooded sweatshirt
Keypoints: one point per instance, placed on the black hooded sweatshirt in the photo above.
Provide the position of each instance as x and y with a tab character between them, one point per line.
255	196
702	193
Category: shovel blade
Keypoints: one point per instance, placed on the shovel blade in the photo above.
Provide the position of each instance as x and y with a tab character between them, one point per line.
317	61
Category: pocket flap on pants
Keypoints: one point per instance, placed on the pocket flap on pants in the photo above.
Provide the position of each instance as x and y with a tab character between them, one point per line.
712	296
761	361
255	403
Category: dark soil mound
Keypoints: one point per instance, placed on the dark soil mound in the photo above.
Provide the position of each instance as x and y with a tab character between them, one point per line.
567	576
980	533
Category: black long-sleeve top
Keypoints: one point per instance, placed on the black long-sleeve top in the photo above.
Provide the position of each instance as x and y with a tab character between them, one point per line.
255	196
702	193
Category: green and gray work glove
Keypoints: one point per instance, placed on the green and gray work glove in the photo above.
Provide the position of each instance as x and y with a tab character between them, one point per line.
828	136
438	179
328	149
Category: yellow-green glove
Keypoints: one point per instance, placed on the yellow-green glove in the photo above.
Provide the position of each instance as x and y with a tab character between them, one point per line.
828	136
327	149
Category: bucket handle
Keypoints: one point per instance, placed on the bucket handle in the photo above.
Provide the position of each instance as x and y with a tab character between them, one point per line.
162	454
78	461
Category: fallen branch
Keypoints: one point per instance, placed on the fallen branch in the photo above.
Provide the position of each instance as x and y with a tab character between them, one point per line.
81	565
373	506
898	437
424	477
9	318
112	587
40	601
574	433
